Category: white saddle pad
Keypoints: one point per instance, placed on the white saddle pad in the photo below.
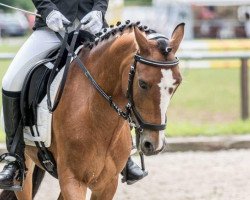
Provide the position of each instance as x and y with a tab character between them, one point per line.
44	117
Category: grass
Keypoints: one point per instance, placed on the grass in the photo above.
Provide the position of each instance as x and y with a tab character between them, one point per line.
208	129
206	103
5	48
138	2
208	92
11	45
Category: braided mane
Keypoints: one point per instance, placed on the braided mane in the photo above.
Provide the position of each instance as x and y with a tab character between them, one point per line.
112	30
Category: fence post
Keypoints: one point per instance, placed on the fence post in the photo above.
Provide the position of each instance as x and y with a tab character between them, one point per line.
244	89
0	34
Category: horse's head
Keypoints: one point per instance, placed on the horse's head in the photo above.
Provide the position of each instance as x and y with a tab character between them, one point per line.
156	79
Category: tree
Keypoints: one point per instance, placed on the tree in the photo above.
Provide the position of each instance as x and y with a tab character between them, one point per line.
138	2
24	4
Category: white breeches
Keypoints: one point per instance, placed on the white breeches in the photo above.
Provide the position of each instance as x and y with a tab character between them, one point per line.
36	48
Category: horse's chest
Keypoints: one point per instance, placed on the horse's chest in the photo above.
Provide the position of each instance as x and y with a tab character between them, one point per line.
97	173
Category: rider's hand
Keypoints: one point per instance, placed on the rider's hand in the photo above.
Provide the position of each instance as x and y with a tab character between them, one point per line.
92	22
55	21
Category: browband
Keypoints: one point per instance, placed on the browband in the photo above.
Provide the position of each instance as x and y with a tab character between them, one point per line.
155	36
154	63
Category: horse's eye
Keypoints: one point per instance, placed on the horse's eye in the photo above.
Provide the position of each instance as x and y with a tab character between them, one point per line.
170	90
143	85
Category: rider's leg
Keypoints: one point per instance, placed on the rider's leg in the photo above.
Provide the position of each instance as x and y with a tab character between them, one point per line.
12	119
37	47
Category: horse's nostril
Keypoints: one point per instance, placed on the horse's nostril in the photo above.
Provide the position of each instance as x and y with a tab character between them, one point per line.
148	148
148	145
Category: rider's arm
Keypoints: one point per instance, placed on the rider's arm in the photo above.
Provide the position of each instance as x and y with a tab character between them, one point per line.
44	7
93	21
101	5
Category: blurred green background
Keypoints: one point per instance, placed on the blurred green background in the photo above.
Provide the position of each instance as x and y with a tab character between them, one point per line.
18	3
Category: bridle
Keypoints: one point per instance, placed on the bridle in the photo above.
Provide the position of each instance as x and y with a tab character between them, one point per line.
130	109
142	124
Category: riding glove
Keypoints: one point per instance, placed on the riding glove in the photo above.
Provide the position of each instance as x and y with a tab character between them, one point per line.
55	21
92	22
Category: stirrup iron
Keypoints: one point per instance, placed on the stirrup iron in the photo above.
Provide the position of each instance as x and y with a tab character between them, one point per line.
125	175
21	173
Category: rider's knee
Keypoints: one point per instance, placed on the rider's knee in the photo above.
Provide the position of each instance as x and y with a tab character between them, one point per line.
10	82
5	83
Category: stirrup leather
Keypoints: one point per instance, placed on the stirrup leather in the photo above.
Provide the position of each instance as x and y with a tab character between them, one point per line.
21	174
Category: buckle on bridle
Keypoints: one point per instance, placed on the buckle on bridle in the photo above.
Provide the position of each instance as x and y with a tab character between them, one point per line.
48	164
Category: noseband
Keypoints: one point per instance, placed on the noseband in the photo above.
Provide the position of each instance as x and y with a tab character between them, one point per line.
142	124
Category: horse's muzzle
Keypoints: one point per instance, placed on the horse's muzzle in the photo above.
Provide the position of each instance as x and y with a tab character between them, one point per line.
149	148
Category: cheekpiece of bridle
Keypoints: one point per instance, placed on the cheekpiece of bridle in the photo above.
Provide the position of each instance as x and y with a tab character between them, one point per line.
142	124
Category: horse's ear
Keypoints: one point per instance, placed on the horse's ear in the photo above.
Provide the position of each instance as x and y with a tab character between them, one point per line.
141	41
177	37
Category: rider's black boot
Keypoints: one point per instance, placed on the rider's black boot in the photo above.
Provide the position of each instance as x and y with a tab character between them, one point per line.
132	172
12	174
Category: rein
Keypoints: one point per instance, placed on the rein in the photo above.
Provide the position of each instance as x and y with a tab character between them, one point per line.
130	107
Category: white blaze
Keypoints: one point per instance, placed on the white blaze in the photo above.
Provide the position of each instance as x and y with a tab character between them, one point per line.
167	82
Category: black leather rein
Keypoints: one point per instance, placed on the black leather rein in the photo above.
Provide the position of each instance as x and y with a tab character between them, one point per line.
130	107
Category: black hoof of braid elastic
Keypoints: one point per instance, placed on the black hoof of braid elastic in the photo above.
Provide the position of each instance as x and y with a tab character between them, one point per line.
12	175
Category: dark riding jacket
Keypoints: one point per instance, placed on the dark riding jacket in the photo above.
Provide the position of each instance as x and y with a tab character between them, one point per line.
71	9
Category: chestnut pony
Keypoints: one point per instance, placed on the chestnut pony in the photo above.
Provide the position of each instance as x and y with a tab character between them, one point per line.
90	141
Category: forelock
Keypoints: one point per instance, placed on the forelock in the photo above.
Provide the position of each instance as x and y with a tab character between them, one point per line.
162	45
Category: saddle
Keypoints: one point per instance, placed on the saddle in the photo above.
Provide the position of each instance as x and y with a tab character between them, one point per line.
35	89
35	84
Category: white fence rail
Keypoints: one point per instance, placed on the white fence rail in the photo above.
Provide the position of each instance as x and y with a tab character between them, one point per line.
203	55
6	56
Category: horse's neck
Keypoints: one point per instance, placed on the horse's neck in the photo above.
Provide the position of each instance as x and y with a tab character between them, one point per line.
109	65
